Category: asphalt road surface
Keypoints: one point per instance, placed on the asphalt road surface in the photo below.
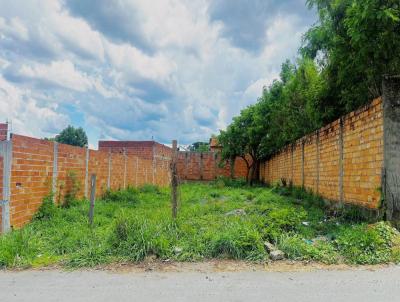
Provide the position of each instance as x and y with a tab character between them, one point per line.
348	285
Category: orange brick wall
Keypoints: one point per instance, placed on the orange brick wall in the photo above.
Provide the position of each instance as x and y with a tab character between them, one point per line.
363	155
31	177
206	166
1	185
32	172
3	131
360	155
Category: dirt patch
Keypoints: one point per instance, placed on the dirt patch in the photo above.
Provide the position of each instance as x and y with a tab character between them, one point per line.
227	266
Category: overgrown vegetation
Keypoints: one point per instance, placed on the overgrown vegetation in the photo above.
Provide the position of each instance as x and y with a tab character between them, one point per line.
339	68
224	219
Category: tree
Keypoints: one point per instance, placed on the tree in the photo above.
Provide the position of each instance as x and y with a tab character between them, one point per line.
72	136
199	147
242	139
356	41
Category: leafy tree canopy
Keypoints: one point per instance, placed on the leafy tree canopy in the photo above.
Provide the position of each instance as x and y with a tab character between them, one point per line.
339	68
199	147
72	136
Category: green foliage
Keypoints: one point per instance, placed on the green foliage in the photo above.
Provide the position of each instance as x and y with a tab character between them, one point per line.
297	248
223	181
17	249
199	147
357	42
129	195
340	68
47	209
72	188
73	136
366	244
215	222
148	188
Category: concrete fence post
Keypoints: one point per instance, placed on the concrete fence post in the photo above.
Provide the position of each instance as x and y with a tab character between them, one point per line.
292	163
153	164
6	153
201	166
55	171
391	146
125	160
136	172
317	160
109	169
302	164
87	173
341	157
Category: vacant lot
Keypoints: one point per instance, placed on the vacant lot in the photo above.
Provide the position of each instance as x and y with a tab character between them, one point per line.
219	220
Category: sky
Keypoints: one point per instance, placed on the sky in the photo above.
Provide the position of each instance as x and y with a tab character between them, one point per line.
141	69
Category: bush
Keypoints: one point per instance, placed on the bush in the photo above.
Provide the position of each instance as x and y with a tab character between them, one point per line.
136	237
282	220
47	209
18	249
237	241
366	244
223	181
297	248
149	188
128	195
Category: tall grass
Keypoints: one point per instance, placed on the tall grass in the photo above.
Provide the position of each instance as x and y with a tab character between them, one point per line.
132	224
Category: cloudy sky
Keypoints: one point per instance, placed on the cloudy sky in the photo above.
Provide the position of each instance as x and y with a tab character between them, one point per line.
137	69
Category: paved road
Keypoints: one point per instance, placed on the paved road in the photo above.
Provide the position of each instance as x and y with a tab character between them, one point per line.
53	285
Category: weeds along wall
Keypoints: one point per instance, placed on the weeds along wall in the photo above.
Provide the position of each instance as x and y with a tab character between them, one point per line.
342	161
40	167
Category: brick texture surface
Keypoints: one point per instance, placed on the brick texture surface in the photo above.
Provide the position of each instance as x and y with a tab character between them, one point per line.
1	185
3	131
118	166
207	166
319	168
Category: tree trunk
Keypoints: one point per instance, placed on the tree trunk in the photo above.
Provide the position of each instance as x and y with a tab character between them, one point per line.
232	167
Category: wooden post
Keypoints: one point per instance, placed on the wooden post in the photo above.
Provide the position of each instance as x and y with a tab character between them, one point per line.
92	198
174	180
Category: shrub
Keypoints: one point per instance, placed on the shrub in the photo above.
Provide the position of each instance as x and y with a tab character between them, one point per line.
281	220
18	249
297	248
238	240
73	186
47	209
128	195
366	244
149	188
136	237
223	181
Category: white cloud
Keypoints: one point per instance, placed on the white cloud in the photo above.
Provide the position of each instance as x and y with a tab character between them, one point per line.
26	115
134	69
59	73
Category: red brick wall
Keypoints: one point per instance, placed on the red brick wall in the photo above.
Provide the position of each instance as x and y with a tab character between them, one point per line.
3	131
206	166
1	185
32	172
362	159
31	177
71	171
